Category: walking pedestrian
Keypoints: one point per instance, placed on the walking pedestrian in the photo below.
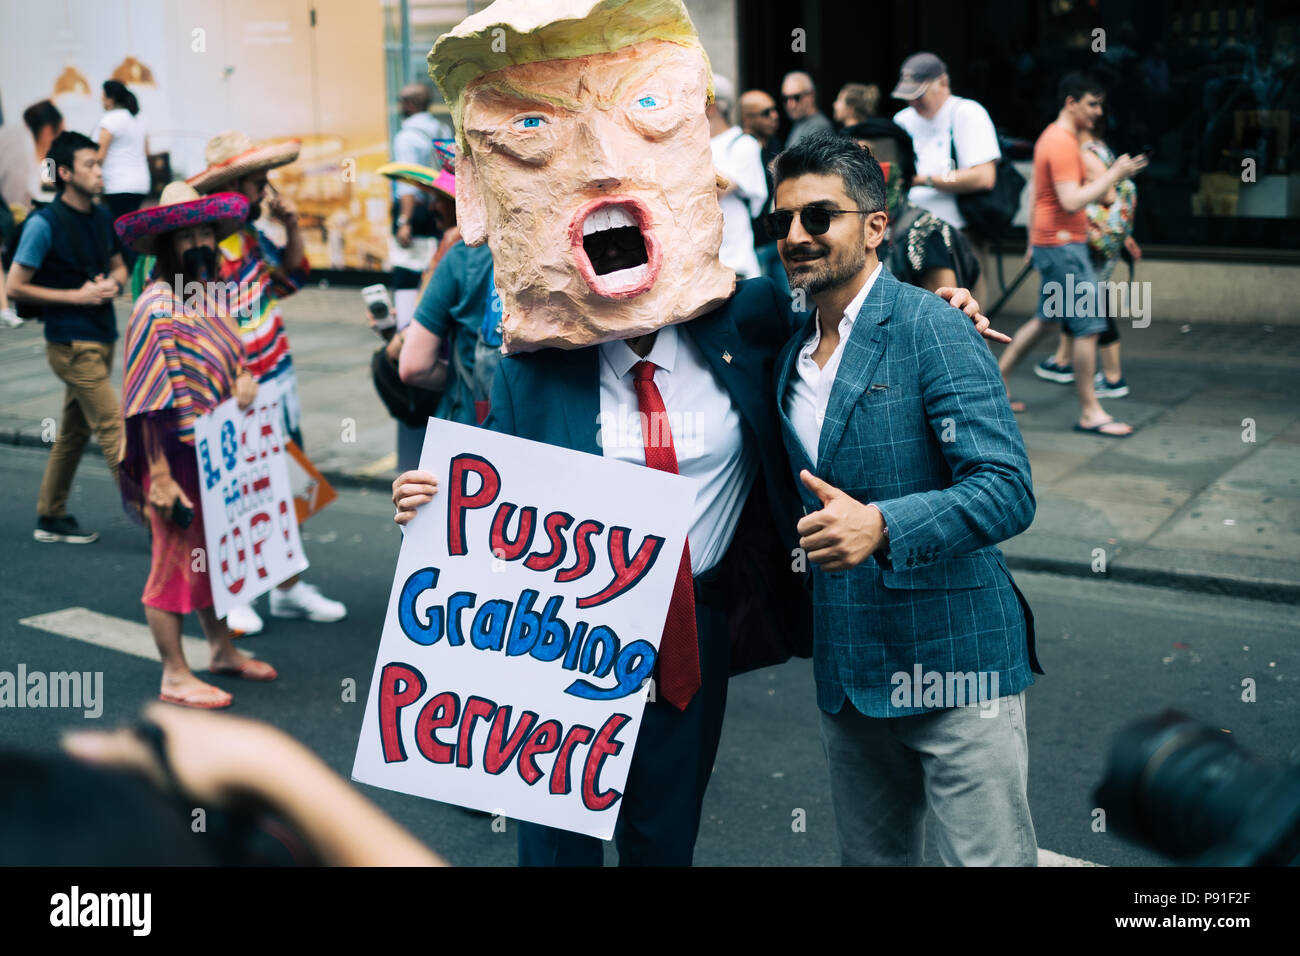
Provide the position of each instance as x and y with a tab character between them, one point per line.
956	147
262	272
1110	235
123	154
69	263
1058	233
183	359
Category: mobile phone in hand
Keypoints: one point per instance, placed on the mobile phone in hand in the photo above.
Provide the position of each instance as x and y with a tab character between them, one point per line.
182	516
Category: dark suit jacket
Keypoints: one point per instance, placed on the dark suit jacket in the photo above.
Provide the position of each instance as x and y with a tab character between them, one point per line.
918	423
553	396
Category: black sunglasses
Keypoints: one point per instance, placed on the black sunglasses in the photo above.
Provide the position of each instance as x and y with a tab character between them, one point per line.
815	220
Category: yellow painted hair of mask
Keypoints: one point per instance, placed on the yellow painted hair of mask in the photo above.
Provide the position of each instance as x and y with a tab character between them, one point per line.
512	32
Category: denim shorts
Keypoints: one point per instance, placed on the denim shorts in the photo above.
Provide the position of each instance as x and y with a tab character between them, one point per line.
1068	293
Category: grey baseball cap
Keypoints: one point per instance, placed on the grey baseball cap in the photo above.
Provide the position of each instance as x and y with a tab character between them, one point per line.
916	74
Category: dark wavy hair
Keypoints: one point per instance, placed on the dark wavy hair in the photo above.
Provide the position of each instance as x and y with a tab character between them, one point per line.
830	153
116	91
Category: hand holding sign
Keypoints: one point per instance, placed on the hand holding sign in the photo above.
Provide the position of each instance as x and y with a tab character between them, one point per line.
410	490
844	533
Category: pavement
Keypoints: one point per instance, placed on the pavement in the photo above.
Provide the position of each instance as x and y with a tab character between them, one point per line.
1204	497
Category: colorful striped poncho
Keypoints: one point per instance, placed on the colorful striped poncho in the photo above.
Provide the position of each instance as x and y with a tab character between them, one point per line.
252	264
181	362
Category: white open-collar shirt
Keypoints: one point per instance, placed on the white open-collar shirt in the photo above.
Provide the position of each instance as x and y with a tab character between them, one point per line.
706	429
809	390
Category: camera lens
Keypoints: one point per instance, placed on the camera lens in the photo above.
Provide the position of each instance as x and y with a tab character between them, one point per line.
1182	788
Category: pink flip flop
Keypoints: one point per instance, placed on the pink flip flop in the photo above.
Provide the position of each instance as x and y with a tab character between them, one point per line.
249	670
202	699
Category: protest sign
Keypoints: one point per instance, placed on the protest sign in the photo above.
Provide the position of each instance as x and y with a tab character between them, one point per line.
311	492
249	520
522	629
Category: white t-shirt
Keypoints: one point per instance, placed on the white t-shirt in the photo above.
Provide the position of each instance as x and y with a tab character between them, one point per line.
959	119
126	169
739	157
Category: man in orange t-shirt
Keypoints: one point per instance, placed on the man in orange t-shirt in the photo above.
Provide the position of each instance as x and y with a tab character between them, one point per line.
1058	247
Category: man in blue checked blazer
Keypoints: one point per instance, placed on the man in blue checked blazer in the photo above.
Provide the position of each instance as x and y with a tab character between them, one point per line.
911	469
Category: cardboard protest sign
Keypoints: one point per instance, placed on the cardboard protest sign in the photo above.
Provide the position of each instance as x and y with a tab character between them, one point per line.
522	627
249	520
311	492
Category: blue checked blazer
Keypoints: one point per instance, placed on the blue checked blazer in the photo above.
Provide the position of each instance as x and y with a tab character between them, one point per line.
918	423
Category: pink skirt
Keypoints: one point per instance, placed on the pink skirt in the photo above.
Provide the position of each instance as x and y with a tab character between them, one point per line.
174	583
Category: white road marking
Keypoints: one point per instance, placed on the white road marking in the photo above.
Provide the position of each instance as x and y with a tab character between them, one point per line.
116	634
1048	858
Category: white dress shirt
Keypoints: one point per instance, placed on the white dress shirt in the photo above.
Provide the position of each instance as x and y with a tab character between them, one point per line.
809	390
706	430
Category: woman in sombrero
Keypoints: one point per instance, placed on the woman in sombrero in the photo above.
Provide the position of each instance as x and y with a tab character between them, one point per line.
183	358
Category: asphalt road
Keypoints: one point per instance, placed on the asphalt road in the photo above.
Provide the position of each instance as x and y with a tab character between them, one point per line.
1113	652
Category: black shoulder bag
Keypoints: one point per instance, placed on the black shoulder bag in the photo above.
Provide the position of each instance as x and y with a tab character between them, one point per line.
988	212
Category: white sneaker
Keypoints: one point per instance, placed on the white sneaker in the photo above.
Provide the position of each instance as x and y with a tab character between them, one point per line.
244	621
9	319
304	600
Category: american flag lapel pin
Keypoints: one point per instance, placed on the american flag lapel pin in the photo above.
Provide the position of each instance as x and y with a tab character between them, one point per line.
726	357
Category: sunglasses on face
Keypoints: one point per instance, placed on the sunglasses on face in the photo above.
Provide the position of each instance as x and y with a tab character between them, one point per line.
795	96
816	220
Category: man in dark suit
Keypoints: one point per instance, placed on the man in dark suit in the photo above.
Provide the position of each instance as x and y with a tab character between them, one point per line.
593	170
913	468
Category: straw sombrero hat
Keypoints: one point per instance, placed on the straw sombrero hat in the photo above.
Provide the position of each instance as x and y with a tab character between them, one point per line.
232	154
425	177
181	206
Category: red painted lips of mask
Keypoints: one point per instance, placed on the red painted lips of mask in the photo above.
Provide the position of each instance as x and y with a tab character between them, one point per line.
602	284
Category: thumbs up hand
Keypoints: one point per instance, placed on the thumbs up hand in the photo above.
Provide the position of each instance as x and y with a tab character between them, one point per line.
844	533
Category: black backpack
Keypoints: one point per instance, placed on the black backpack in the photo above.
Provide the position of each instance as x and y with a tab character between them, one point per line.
408	404
989	212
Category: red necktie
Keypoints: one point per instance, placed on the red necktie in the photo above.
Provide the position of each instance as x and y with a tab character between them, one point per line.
679	653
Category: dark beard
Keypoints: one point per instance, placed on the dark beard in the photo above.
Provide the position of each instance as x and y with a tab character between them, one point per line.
829	272
199	262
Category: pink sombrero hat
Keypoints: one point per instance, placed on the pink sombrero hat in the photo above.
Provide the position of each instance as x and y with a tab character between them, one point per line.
179	207
232	154
425	177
